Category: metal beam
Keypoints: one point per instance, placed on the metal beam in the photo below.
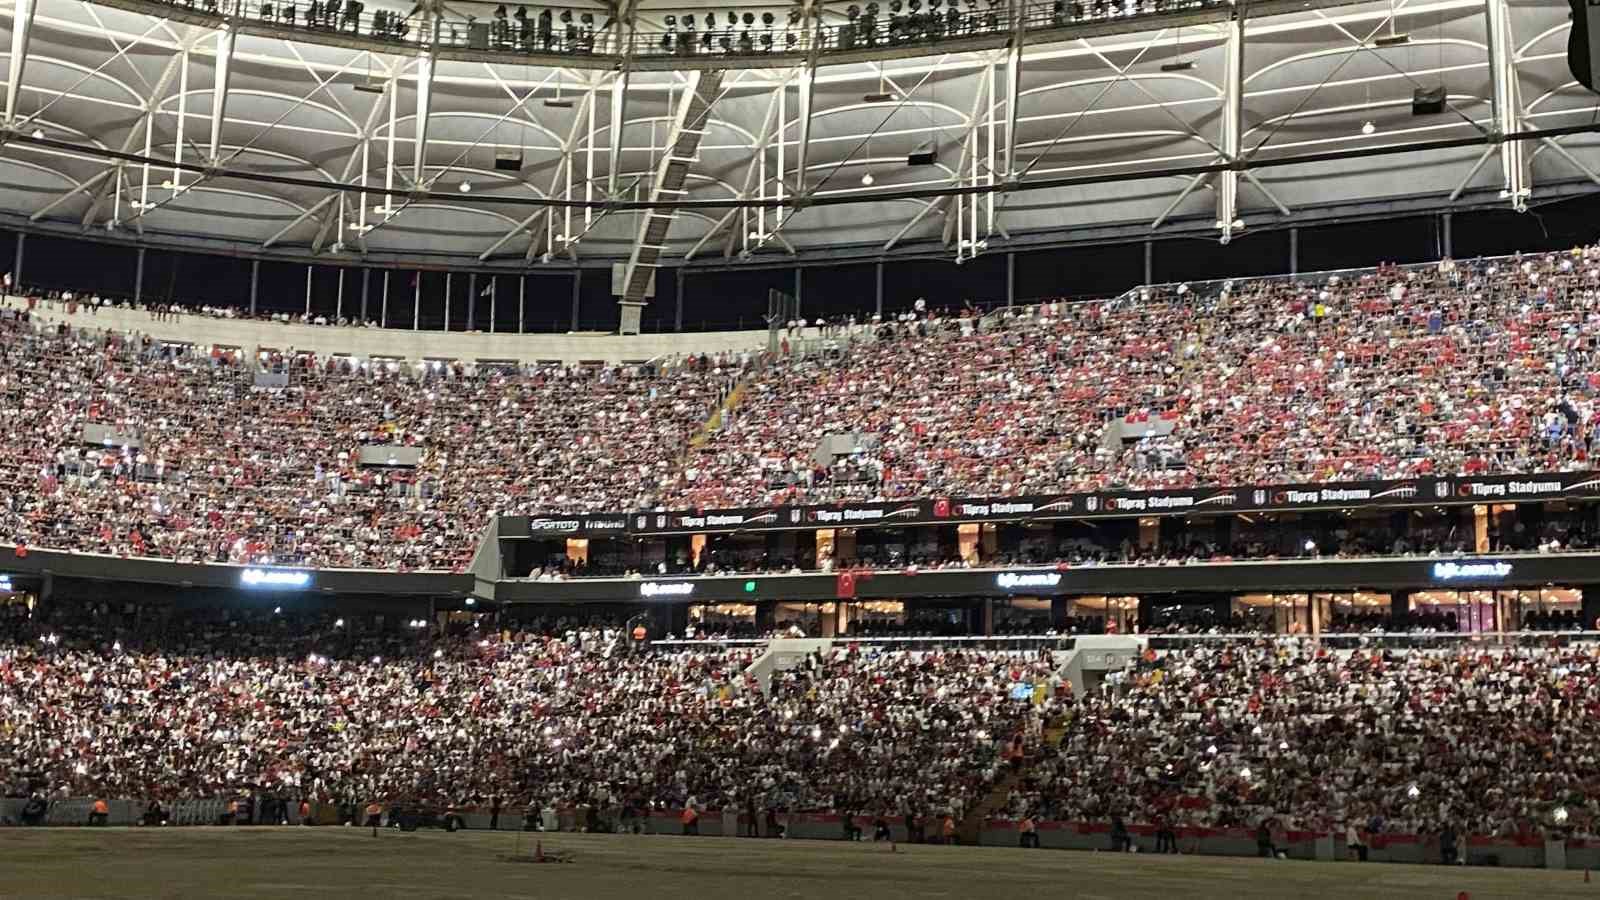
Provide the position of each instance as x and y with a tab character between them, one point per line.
921	214
808	79
357	154
758	153
219	90
145	126
419	162
712	232
538	238
1472	172
1013	97
700	96
21	34
619	101
969	140
88	187
1227	180
310	213
1566	154
1517	178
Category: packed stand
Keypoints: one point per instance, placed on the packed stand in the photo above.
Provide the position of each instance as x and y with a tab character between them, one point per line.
1470	368
200	464
112	700
1473	368
1487	740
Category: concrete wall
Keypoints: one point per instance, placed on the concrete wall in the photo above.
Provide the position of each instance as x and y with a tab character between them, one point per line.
784	654
415	345
1508	852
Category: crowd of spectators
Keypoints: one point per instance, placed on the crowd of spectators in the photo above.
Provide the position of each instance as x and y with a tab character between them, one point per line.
106	700
1414	622
1472	368
170	310
200	464
1469	368
1481	740
111	700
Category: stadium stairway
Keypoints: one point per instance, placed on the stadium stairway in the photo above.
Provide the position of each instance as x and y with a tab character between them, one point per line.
995	801
714	422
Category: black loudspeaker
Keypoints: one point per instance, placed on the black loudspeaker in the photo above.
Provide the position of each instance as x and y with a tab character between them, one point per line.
1427	101
478	36
1583	45
920	158
508	161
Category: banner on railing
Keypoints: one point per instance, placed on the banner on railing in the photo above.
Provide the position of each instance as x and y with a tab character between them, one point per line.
1423	491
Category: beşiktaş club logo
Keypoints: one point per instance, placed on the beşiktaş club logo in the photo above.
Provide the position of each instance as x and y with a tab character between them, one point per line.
855	514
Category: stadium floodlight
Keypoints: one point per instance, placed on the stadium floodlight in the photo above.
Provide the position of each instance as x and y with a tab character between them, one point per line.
1367	127
867	179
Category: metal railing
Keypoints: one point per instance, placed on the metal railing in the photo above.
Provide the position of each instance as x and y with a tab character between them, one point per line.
730	35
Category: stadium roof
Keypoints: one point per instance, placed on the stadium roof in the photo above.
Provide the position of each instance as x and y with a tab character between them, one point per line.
1200	119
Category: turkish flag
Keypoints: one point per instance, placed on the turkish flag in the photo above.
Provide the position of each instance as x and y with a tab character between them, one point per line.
845	585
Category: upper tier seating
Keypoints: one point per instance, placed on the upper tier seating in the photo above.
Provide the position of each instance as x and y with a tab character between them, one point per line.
1483	367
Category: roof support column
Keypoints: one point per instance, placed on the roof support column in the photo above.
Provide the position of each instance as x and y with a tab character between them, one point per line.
1013	91
1518	182
808	78
425	62
619	108
1227	181
183	118
21	31
219	90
